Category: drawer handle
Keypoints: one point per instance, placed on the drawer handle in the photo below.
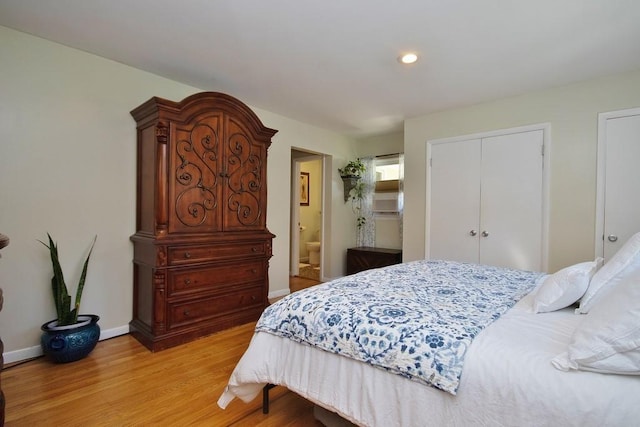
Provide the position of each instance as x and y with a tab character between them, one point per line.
253	298
187	255
186	312
254	249
187	281
254	271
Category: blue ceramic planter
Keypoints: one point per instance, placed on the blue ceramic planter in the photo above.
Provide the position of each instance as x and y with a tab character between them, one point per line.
63	344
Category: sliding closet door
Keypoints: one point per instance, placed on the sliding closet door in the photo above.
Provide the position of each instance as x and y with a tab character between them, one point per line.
455	201
511	201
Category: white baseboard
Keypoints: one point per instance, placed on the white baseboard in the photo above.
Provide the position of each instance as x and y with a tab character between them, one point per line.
36	351
22	354
280	293
114	332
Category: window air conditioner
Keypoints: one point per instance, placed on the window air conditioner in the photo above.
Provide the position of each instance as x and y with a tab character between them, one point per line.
387	202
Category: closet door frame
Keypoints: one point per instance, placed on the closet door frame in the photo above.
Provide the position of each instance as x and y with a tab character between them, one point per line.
546	130
601	172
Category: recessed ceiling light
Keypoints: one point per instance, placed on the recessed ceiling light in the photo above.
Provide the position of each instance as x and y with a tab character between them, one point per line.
408	58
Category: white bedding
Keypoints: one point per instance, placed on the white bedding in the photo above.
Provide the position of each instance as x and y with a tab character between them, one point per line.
507	380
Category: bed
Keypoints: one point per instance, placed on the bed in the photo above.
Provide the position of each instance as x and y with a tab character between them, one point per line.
530	356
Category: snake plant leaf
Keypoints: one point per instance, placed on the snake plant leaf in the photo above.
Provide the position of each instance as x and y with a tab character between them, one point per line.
83	276
61	298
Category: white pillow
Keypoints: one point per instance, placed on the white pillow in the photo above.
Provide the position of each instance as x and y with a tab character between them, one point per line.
563	288
624	261
608	339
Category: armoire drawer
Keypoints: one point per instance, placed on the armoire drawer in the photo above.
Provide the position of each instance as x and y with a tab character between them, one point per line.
203	309
188	280
189	254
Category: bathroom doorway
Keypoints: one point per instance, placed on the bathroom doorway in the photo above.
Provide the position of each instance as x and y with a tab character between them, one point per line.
307	214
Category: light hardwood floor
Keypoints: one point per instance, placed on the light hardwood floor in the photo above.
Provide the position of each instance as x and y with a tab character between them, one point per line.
296	283
121	383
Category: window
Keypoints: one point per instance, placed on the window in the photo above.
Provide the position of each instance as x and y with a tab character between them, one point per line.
387	169
387	198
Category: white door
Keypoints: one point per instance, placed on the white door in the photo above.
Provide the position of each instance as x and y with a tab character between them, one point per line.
511	207
621	179
485	201
455	201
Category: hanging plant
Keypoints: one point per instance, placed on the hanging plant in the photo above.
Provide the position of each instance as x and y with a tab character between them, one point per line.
355	189
354	169
357	195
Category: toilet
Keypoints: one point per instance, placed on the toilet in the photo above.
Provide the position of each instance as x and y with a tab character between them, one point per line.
314	253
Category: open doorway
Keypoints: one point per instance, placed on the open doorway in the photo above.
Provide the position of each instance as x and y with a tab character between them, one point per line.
307	214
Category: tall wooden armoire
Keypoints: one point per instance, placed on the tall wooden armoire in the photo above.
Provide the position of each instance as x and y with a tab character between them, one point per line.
201	247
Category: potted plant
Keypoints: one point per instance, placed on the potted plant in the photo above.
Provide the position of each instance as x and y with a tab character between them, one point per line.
354	189
353	169
351	174
71	336
357	195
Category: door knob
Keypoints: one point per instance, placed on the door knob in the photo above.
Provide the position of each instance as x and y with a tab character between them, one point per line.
485	234
612	238
473	233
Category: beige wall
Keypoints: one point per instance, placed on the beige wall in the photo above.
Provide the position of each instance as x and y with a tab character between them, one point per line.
572	112
379	145
67	166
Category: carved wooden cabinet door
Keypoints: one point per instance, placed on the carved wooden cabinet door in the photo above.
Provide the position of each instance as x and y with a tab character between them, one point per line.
195	176
217	177
244	173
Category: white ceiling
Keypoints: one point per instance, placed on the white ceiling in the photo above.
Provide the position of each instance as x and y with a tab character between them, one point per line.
333	63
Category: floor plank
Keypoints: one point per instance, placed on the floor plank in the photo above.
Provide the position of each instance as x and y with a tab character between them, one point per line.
297	283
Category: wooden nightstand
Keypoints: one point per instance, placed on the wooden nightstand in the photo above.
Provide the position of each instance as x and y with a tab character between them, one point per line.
365	258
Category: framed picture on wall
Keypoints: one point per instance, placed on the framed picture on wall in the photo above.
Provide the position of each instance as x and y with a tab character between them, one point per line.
304	188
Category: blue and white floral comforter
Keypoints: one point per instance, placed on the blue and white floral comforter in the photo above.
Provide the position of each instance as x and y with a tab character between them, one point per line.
415	319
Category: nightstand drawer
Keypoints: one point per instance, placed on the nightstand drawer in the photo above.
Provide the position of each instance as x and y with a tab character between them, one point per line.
205	309
179	255
183	281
